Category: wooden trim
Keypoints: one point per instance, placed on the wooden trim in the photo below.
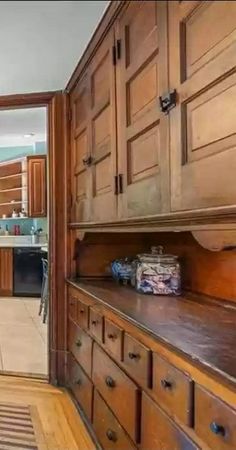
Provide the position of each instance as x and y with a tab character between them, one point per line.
26	100
105	23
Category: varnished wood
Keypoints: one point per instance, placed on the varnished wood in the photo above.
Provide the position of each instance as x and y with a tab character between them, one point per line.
6	271
113	339
37	186
80	385
80	345
96	324
137	361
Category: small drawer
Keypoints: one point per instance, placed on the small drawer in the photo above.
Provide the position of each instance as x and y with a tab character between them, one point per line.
72	306
121	394
137	360
113	339
96	324
158	432
215	421
82	317
173	390
80	385
80	345
107	428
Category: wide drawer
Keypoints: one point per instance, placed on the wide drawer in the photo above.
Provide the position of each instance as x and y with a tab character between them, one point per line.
80	385
113	339
137	360
96	323
80	344
107	428
215	422
158	432
82	317
173	390
121	394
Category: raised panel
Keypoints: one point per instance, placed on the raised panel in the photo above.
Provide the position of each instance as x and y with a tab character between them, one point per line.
143	155
81	108
81	150
37	185
101	131
100	86
214	20
103	176
6	271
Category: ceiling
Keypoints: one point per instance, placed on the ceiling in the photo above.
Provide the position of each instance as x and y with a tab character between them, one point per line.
42	41
16	123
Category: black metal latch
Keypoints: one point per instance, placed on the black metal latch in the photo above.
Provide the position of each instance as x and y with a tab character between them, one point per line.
168	101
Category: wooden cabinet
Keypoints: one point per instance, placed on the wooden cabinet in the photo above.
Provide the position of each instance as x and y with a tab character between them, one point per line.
182	159
202	60
37	186
6	271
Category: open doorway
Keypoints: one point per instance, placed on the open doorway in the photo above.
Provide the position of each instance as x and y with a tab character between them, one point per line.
24	231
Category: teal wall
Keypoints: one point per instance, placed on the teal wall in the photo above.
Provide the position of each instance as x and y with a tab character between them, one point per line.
15	152
25	225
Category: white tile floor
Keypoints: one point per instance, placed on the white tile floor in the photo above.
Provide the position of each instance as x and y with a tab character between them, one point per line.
23	337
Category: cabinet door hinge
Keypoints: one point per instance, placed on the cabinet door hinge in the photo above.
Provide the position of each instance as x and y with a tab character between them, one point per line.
114	55
69	114
168	101
118	48
116	185
121	189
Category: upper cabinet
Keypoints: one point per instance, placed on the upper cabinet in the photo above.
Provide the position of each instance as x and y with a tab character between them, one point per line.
132	158
202	62
37	191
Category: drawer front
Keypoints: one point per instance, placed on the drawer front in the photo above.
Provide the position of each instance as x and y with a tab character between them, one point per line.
137	360
173	390
121	394
215	422
80	385
72	306
96	324
82	317
158	432
107	428
80	345
113	339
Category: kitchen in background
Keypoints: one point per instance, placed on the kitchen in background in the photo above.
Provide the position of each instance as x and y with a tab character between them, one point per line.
23	241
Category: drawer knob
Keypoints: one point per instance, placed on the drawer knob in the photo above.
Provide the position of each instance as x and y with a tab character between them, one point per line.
94	322
81	311
110	382
217	429
78	343
111	435
112	336
133	355
78	382
166	384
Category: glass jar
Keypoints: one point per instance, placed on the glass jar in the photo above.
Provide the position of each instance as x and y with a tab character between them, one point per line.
158	273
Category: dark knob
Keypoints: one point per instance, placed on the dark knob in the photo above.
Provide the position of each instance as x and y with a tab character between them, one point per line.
110	382
133	355
112	336
111	435
166	384
78	382
94	322
87	161
217	429
81	311
78	343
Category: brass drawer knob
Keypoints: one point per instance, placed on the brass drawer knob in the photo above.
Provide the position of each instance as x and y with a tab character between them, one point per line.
78	343
81	311
111	435
133	355
166	384
110	382
217	428
112	336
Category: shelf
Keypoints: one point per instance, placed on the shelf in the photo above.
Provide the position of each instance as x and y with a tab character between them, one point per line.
12	176
14	218
13	203
21	188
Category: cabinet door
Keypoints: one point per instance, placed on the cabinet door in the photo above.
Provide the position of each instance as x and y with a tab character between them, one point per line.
80	152
6	271
142	128
37	186
94	139
202	61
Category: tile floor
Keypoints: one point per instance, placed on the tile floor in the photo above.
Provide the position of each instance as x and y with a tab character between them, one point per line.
23	337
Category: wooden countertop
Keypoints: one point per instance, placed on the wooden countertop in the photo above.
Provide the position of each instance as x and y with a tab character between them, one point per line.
204	332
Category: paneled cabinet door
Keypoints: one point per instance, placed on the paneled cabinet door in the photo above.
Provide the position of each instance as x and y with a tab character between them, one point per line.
202	61
142	129
81	186
37	186
6	271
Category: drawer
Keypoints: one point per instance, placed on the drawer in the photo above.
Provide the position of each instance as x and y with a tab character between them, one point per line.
137	360
158	432
80	385
113	339
96	324
121	394
215	421
173	390
72	306
107	428
82	317
80	345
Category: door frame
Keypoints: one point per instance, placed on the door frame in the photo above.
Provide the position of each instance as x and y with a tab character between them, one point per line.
56	103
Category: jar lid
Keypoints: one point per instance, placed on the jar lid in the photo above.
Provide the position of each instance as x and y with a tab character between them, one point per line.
157	256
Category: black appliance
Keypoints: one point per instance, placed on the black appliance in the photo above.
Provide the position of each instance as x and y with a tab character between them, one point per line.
28	271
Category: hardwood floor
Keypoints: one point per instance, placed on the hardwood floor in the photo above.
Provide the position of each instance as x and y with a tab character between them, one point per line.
37	416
